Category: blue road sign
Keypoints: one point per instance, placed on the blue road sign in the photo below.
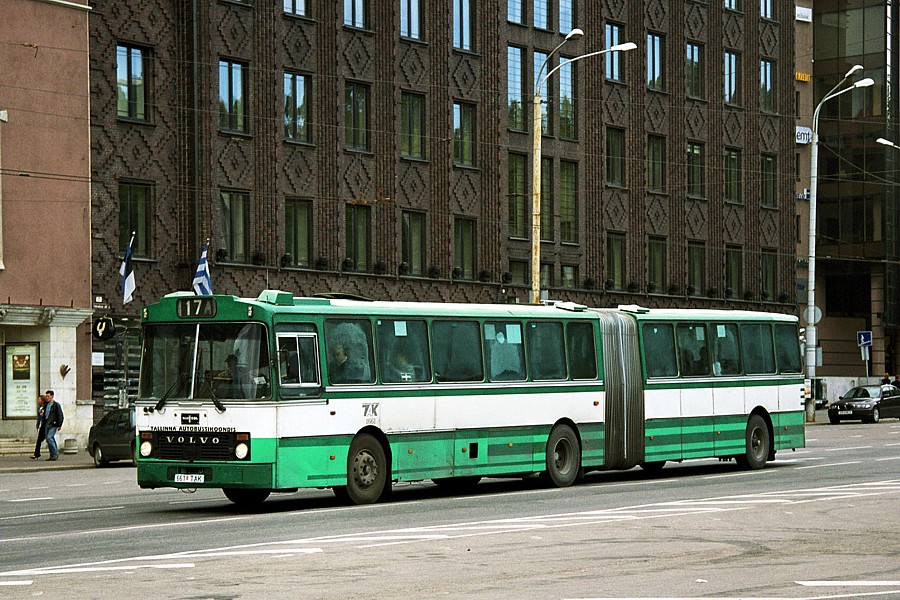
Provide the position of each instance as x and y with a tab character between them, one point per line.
864	338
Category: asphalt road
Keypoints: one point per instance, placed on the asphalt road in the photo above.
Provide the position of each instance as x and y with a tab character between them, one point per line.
822	522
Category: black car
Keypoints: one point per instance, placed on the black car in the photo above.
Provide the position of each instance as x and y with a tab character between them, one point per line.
113	437
867	403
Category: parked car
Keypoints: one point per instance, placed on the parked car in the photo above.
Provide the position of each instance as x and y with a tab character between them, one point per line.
112	438
867	403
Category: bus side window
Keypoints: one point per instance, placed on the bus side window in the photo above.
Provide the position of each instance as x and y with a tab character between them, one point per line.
546	350
659	350
787	348
726	354
504	352
692	352
756	348
582	352
456	348
403	351
349	343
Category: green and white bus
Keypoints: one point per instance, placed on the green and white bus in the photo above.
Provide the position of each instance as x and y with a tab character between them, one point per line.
279	392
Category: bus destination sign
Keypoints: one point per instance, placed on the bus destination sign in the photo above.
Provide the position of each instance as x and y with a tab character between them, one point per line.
198	306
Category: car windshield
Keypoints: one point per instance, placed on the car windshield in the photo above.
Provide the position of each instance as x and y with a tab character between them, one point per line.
204	361
859	393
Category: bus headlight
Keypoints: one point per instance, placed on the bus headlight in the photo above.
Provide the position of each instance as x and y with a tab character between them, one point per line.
241	451
146	449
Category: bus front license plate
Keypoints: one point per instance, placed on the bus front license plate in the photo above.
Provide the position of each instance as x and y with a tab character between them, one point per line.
188	478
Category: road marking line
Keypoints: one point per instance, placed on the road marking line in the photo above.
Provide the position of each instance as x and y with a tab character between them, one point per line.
853	462
890	458
845	449
12	583
848	583
32	499
61	512
69	570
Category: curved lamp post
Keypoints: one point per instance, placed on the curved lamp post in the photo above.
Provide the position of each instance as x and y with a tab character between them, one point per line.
810	316
536	153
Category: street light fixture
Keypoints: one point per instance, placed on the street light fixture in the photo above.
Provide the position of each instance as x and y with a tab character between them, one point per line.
536	152
810	314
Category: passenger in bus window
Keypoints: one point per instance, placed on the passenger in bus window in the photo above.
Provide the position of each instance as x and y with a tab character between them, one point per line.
400	369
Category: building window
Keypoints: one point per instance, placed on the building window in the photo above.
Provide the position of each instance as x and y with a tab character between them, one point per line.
766	87
412	125
568	202
569	276
732	77
298	231
695	82
542	14
768	269
519	272
296	107
235	212
696	170
567	102
463	134
656	62
356	237
356	13
566	15
656	264
134	217
733	270
615	156
517	201
232	96
546	276
410	19
464	247
733	5
765	9
768	177
414	242
733	175
462	25
356	116
613	59
542	67
656	163
696	266
295	7
515	11
615	261
546	199
515	89
131	76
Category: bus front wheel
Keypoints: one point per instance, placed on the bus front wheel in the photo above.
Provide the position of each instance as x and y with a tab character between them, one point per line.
243	497
758	444
367	470
563	456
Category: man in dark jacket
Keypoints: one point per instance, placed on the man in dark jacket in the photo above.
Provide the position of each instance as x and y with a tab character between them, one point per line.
53	421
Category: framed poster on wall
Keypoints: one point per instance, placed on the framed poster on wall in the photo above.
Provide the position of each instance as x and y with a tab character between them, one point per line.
21	377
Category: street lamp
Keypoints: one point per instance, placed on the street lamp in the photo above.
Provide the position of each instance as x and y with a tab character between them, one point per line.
810	314
536	153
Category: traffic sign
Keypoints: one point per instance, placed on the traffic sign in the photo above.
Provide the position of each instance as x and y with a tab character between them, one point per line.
864	338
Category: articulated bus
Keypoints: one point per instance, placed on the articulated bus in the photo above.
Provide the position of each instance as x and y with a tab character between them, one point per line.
277	393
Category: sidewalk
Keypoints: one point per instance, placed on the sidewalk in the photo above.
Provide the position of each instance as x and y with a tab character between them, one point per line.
23	463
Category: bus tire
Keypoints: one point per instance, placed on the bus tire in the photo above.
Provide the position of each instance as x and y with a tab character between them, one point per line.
758	444
246	498
563	456
367	470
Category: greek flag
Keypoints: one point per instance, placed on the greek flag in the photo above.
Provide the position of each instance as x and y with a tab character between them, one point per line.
202	280
127	274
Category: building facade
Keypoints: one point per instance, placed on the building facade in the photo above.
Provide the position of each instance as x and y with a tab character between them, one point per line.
383	149
45	217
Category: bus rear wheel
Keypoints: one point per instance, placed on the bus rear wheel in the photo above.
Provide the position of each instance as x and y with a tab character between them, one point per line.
367	470
246	498
758	444
563	456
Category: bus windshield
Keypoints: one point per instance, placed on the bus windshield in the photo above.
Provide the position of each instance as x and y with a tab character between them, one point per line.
205	361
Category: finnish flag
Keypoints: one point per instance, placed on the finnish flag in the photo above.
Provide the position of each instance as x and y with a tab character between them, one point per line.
127	274
202	280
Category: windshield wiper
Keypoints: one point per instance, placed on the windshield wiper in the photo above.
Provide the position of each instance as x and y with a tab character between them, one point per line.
219	406
178	381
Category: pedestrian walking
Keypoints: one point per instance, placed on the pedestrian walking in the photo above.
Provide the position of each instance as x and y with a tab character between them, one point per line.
42	400
53	422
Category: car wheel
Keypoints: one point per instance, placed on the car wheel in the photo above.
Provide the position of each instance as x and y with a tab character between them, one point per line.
834	419
876	416
99	458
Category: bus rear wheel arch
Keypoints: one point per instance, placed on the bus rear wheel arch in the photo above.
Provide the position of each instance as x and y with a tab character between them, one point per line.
368	471
563	456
